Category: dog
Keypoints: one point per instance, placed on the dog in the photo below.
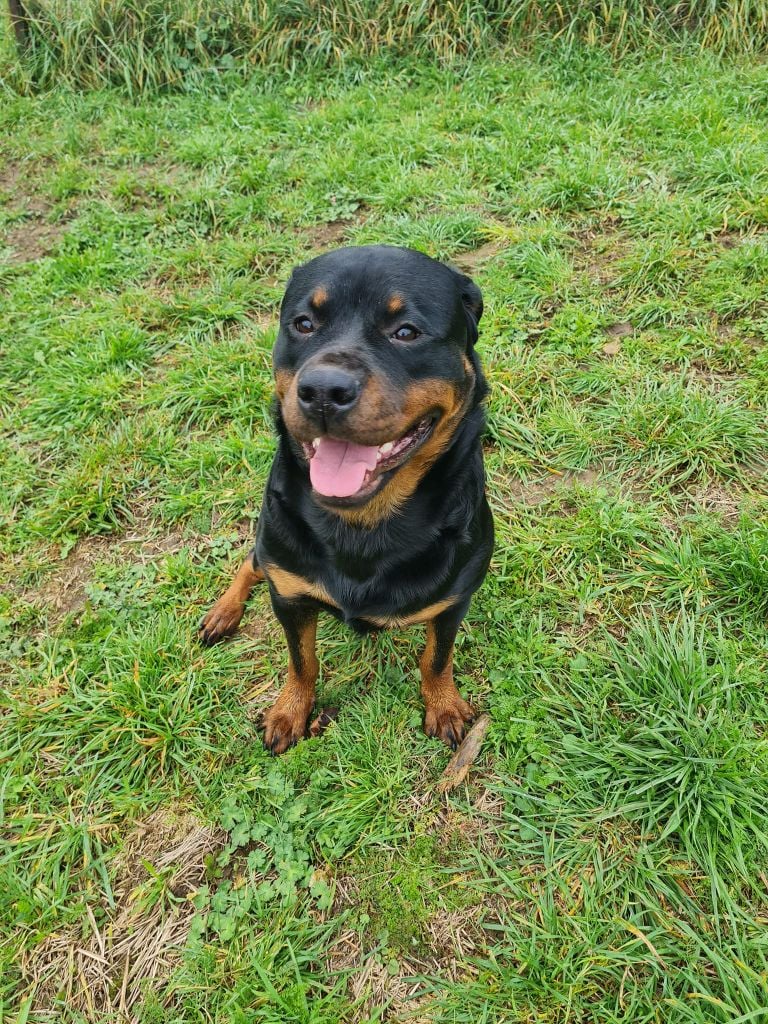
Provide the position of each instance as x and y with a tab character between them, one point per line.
375	507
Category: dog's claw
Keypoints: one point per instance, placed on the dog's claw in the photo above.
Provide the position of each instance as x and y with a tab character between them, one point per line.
283	730
222	620
448	722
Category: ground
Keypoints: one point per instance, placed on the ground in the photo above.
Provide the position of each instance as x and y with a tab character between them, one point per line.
605	860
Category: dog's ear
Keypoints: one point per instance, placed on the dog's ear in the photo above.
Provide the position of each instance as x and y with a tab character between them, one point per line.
472	300
472	297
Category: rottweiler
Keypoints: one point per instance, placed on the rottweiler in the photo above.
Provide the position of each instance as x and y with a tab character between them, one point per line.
375	507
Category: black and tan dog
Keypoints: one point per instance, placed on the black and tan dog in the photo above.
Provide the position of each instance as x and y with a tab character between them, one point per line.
375	508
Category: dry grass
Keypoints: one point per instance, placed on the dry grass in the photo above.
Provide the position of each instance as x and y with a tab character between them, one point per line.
391	985
103	966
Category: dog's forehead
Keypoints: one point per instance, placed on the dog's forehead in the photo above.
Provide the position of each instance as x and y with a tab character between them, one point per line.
379	274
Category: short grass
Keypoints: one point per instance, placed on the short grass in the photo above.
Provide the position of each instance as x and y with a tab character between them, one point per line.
606	861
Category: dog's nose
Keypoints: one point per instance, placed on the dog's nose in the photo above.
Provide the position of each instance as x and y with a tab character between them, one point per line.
327	391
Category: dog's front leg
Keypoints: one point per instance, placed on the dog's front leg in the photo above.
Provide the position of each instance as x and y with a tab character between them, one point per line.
445	713
224	617
286	721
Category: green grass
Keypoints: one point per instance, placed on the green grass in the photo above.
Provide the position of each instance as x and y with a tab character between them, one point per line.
176	43
606	861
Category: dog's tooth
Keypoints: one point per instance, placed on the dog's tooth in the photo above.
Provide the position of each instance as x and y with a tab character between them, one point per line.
385	449
316	442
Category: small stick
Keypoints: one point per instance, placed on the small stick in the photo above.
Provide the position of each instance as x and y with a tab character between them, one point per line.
458	767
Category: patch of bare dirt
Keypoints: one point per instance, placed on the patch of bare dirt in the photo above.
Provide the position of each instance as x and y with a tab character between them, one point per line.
732	238
34	236
536	492
32	240
725	501
598	249
136	943
335	232
619	330
578	632
65	591
727	239
615	332
471	261
328	234
699	370
145	548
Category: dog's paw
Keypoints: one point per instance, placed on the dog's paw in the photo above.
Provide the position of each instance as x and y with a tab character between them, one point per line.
283	729
448	721
222	620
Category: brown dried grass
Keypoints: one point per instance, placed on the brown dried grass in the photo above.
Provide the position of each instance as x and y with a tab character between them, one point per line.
135	945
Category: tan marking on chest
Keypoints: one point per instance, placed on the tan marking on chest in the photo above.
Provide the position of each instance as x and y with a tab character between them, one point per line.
425	615
289	585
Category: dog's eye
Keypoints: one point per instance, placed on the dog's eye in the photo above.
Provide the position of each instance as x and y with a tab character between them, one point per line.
406	333
303	325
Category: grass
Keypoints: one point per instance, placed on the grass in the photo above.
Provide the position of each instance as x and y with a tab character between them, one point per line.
158	45
606	860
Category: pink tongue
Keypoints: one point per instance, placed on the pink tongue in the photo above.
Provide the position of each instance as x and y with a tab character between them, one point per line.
337	469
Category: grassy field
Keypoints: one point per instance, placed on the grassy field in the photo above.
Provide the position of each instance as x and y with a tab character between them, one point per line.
607	859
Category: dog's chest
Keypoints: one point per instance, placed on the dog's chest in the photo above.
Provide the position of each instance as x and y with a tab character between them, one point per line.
379	602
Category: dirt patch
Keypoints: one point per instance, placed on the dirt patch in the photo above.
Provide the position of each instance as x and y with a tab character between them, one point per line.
335	232
328	234
616	332
34	236
727	239
470	262
136	943
9	177
536	492
731	238
727	502
620	330
598	250
146	548
66	591
32	240
716	380
16	179
577	633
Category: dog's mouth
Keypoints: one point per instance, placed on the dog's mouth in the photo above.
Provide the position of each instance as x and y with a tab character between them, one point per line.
347	470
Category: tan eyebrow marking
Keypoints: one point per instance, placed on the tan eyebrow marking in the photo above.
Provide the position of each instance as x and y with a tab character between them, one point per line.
395	303
319	296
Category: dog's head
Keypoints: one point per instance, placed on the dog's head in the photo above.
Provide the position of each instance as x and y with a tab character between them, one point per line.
375	369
